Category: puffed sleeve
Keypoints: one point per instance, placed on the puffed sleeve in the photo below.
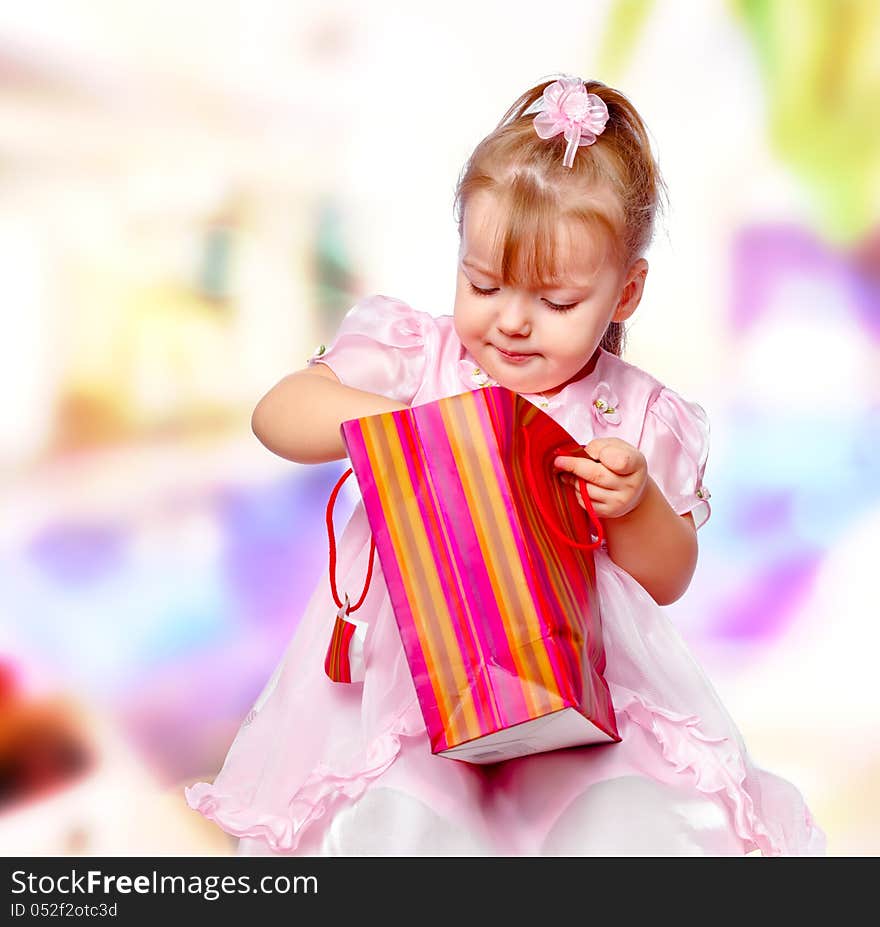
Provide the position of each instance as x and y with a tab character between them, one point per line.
675	442
380	348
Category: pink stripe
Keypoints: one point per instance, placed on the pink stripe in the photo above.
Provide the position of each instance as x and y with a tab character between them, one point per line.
429	686
471	564
363	470
495	410
420	466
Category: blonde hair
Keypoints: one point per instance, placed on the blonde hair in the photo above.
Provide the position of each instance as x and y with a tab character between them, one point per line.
536	192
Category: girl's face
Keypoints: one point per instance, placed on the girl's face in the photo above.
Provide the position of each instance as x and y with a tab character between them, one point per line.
559	342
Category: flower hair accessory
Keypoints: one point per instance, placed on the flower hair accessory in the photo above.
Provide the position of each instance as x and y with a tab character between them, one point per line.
567	107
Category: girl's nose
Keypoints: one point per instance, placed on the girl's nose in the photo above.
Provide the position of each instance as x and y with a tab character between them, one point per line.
513	317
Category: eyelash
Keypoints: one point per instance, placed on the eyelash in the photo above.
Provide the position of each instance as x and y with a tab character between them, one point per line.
478	292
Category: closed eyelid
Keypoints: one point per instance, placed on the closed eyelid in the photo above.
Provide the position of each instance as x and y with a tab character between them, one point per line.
558	301
556	306
538	290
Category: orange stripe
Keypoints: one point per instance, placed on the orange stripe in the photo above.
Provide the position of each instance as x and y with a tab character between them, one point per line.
464	599
418	572
498	547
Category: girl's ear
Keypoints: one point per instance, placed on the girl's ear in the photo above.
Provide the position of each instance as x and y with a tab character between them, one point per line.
631	294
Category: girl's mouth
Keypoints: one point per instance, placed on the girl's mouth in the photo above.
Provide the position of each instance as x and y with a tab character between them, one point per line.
516	358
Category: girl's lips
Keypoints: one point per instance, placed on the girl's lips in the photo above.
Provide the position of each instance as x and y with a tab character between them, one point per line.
513	356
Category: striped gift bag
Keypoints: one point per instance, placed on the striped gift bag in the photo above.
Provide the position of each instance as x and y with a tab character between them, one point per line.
488	559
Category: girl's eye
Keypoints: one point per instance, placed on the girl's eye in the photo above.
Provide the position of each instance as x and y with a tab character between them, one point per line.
478	292
561	308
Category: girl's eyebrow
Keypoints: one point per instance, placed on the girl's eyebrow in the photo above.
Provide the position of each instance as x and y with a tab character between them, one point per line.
469	263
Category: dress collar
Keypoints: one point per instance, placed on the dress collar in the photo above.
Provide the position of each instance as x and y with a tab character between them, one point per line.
473	377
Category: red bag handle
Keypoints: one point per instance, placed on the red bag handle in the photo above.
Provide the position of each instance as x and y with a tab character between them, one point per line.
330	503
530	475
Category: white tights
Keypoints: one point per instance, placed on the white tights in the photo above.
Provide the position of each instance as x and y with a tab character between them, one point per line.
624	816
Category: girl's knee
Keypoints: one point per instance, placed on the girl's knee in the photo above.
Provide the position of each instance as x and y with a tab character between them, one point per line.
638	816
390	822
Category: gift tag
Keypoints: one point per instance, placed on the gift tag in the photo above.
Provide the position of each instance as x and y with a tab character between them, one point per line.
345	655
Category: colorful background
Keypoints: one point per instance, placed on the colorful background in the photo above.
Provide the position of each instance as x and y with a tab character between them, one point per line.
193	194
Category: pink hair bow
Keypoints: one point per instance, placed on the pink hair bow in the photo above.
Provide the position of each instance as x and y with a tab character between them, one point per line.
566	106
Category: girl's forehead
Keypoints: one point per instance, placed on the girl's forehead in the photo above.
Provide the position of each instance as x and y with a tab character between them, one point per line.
572	259
543	254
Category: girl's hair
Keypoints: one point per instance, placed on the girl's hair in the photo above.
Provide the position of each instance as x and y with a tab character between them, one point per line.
536	192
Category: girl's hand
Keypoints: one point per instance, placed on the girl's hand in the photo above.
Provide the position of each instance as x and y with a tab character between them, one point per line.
616	477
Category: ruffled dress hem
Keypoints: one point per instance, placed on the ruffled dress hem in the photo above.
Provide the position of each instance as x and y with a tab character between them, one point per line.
714	766
323	787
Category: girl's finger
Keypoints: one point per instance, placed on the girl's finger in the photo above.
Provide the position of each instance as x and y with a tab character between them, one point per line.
597	494
598	476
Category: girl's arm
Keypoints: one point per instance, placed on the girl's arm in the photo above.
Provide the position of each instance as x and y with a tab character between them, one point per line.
654	545
299	418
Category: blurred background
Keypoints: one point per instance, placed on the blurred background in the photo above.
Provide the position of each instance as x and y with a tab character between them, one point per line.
193	194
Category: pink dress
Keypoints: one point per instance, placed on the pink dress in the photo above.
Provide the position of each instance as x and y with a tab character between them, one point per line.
322	768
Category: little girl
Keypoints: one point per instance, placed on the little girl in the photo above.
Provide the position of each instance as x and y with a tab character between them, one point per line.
555	210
